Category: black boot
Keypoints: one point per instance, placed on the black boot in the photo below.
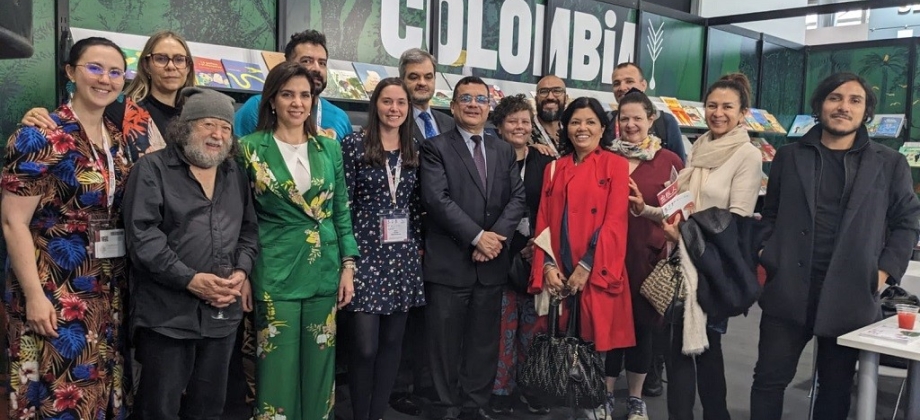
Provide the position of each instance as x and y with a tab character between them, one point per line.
652	386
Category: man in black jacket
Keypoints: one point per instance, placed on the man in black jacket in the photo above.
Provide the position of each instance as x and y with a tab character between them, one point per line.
844	220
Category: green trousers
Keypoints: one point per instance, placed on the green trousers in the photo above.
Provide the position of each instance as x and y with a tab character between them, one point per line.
295	359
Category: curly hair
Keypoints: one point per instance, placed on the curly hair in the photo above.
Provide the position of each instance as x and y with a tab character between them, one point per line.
565	143
510	105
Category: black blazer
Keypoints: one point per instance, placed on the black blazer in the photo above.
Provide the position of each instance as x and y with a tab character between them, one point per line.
534	168
444	122
878	231
459	207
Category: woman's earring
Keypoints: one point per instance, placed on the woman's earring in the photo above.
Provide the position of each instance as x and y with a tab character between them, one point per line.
70	87
273	111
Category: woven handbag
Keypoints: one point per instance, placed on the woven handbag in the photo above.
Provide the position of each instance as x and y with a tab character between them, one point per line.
564	370
664	284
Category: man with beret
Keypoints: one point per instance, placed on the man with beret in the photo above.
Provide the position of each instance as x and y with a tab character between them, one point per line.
192	237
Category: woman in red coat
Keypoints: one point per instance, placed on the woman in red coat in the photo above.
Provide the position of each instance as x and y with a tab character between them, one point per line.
585	206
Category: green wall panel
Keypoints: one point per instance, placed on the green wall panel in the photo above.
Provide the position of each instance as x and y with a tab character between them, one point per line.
237	23
29	82
781	92
678	68
729	53
883	67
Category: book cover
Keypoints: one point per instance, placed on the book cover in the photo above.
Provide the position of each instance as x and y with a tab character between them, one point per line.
761	119
132	57
441	98
345	84
272	59
777	127
885	125
678	111
244	76
210	72
370	75
767	151
891	332
801	125
763	183
752	123
911	151
663	107
696	114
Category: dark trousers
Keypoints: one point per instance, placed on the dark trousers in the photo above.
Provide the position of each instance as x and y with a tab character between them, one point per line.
781	345
414	371
195	367
374	362
463	333
688	374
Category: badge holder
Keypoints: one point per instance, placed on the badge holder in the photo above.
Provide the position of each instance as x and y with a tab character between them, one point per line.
105	241
394	226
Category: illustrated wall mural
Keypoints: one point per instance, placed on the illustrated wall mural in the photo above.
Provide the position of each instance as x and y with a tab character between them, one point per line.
671	56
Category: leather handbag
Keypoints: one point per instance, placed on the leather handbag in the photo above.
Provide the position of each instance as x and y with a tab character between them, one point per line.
519	274
662	287
563	369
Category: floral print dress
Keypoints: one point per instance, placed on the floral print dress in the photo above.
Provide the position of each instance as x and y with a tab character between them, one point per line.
389	275
80	374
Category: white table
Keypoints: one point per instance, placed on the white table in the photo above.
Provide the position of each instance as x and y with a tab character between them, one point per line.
867	388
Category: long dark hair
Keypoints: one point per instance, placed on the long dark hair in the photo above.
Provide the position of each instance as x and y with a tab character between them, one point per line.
832	82
373	144
275	80
565	143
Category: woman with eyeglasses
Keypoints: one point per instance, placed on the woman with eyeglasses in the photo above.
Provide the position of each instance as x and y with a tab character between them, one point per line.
165	66
61	218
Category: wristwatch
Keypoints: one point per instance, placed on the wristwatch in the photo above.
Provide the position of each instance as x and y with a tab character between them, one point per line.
350	265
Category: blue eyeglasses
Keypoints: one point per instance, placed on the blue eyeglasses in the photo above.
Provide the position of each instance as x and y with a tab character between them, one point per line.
98	70
467	98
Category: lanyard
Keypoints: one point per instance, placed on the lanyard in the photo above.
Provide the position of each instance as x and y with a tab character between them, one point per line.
108	174
393	177
524	166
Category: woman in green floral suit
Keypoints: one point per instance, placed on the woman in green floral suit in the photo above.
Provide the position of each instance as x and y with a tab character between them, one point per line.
305	271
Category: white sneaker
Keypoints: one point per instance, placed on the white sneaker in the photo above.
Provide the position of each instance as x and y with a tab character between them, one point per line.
637	409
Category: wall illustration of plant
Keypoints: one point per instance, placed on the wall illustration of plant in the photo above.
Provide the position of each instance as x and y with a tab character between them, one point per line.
655	45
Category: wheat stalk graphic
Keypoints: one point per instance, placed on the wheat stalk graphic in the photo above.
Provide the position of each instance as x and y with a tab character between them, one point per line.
655	45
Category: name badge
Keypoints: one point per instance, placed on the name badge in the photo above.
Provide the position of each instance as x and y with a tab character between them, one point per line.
108	243
394	226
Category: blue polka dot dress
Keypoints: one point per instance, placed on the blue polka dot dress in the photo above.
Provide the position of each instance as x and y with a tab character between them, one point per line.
389	276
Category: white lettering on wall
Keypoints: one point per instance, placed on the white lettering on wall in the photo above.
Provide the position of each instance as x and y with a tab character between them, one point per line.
389	18
476	55
586	61
449	47
515	14
538	40
559	43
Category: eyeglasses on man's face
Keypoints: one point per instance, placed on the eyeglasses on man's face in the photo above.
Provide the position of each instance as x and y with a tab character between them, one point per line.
98	70
556	91
162	60
467	98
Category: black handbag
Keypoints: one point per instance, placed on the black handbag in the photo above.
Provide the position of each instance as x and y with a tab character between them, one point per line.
519	274
564	370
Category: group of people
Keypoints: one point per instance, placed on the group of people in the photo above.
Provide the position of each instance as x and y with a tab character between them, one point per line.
141	230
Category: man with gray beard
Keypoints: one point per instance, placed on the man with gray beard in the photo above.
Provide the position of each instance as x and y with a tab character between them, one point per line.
191	234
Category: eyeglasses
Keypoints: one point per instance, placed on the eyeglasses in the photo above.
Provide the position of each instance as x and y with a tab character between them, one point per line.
467	98
162	60
211	127
556	91
98	70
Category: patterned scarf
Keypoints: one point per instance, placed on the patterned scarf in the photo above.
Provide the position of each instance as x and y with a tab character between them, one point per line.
642	151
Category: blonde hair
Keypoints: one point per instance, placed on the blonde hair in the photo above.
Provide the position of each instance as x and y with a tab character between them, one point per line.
140	86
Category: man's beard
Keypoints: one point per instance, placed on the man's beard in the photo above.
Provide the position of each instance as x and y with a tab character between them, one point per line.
314	76
835	131
420	100
197	156
549	115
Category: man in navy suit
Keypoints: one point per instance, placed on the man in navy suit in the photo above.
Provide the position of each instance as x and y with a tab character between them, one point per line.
471	188
416	69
